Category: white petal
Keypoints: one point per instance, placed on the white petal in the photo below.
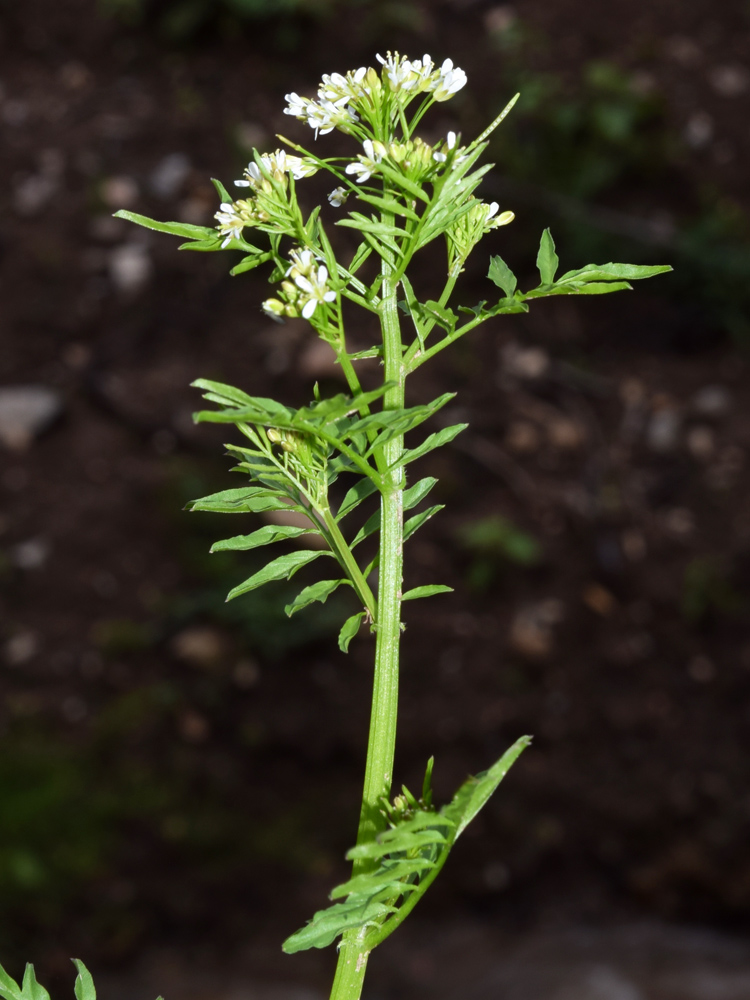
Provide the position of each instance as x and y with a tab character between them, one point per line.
309	308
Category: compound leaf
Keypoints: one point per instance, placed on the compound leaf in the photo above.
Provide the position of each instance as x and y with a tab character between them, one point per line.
435	440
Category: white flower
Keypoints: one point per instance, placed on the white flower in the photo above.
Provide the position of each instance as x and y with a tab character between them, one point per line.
399	71
230	222
450	140
324	115
449	81
315	288
422	68
492	220
335	86
338	196
303	264
374	153
277	164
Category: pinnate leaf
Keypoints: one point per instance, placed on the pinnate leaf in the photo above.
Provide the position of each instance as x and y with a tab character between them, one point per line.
435	440
241	500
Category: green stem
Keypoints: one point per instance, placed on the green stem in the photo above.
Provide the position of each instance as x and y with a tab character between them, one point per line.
381	744
344	553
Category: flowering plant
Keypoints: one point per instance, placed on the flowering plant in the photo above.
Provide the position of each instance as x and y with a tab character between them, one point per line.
410	193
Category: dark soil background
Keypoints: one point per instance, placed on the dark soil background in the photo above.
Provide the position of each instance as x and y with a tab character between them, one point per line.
179	772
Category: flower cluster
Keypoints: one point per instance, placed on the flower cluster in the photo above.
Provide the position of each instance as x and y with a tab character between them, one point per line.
305	288
344	100
467	231
267	205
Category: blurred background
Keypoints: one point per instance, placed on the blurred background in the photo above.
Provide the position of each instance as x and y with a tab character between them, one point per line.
179	778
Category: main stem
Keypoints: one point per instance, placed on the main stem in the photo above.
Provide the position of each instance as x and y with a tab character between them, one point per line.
381	745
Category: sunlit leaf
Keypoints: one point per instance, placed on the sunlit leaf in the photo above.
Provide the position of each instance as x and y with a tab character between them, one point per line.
282	568
426	591
547	260
319	591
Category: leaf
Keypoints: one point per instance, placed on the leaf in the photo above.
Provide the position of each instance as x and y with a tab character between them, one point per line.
282	568
547	260
435	440
419	519
222	192
348	630
615	272
411	498
220	392
30	988
407	841
248	263
9	988
84	984
427	591
502	276
475	792
263	536
183	229
431	310
327	924
242	500
359	492
399	421
319	591
388	205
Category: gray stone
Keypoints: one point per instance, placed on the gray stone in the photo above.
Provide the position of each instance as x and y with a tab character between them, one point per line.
25	411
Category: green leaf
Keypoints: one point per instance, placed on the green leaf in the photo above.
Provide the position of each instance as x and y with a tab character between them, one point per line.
547	260
173	228
222	192
250	262
282	568
502	276
263	536
431	310
407	841
30	988
319	591
419	519
427	591
327	924
9	988
245	499
388	205
411	498
615	272
435	440
386	877
349	629
601	287
359	492
84	984
475	792
399	421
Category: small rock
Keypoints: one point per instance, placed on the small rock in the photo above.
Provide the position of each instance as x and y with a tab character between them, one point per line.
701	669
246	674
20	648
682	50
194	728
531	631
712	401
566	434
700	442
26	411
30	555
663	429
699	130
680	522
599	599
729	81
169	176
130	267
119	192
199	645
251	135
528	363
523	437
